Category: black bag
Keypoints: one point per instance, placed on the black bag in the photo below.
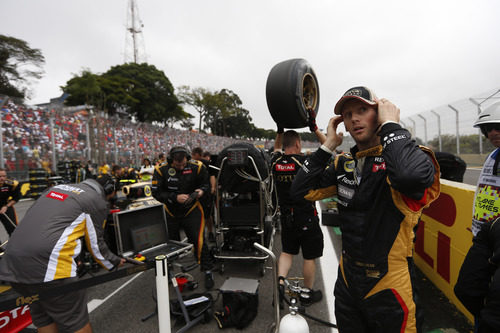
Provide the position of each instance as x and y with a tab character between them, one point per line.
239	310
194	310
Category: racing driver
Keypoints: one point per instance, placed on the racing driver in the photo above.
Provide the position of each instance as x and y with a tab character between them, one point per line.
382	185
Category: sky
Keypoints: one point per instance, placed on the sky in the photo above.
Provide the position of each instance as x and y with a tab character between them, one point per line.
418	54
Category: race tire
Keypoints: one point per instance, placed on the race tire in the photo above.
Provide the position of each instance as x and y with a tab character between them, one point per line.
292	88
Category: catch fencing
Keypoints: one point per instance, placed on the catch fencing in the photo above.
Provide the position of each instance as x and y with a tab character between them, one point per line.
36	137
455	119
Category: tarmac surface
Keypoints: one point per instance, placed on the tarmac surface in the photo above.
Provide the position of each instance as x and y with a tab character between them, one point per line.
121	305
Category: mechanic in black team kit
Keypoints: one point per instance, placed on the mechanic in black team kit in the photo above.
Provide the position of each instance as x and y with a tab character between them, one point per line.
42	250
9	195
299	221
179	184
382	187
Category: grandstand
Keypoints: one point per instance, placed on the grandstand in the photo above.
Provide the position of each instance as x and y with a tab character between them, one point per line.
34	137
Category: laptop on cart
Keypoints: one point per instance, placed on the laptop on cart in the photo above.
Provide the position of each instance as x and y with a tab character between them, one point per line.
144	231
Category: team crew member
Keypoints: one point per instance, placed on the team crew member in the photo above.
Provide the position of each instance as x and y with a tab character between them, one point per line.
208	198
161	159
41	253
10	193
212	173
124	176
179	184
147	170
299	221
478	285
382	187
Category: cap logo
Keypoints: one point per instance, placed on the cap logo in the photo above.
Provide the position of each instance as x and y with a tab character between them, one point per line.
354	92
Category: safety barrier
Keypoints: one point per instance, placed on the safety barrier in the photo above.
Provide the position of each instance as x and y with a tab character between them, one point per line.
444	237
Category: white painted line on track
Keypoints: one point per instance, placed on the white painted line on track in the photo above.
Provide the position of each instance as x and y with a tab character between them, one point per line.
329	269
95	303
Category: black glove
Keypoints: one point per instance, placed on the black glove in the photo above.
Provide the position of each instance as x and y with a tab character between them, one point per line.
192	197
311	120
280	130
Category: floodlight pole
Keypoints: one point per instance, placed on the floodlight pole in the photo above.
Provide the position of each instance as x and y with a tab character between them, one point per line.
457	133
439	129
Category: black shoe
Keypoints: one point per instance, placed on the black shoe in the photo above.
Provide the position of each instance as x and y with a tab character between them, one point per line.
209	280
310	297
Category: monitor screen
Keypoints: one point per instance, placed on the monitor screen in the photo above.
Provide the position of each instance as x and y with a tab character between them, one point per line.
139	229
237	156
147	236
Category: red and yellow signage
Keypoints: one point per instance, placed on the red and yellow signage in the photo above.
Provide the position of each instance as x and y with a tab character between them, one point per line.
444	237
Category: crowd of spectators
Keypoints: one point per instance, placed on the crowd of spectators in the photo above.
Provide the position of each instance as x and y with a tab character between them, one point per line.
27	138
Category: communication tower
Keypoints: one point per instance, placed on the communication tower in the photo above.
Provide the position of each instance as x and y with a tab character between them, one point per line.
135	51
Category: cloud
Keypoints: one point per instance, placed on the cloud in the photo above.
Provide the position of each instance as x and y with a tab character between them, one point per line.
418	54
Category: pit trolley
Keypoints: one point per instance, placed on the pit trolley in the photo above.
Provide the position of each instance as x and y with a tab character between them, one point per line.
245	205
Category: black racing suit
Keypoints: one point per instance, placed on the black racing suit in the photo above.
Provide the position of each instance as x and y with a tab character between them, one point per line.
208	198
166	185
299	220
381	193
478	284
129	177
9	191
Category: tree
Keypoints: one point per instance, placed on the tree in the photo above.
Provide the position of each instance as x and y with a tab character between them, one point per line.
239	124
143	91
261	133
18	63
84	89
469	144
225	116
198	98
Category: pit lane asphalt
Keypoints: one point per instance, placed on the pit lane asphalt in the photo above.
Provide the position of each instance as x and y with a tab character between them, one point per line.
119	305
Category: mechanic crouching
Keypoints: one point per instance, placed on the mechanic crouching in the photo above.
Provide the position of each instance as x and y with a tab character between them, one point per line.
42	250
179	184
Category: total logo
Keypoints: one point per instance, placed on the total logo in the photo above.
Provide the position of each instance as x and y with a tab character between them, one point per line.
285	167
377	167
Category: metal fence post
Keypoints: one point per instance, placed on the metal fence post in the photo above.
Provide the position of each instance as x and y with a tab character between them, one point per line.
458	131
439	130
136	144
87	128
2	103
117	120
425	128
52	139
479	134
414	134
